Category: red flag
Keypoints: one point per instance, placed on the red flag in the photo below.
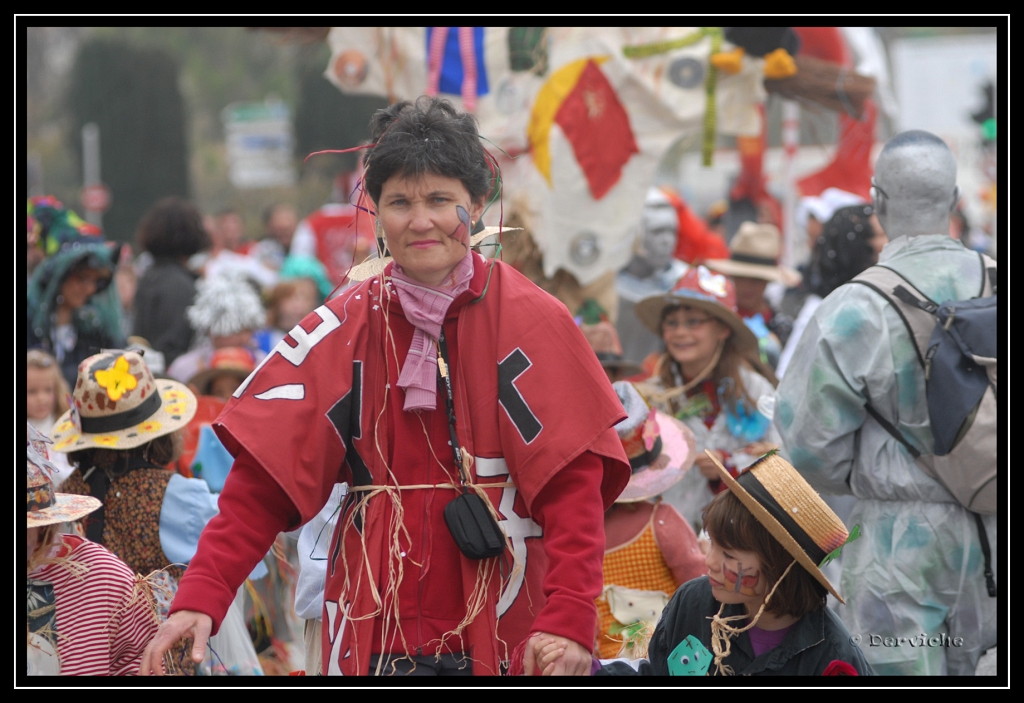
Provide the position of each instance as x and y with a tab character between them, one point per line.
850	169
597	126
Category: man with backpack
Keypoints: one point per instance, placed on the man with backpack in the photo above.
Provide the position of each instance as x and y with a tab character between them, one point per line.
854	416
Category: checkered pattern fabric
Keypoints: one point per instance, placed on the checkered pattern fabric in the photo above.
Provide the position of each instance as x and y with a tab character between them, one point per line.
637	564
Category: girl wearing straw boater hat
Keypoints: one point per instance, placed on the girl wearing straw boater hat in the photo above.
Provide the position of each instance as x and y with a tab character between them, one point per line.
122	432
711	378
760	610
649	549
87	613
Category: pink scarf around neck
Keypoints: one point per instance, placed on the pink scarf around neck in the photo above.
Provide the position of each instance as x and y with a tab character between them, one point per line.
425	307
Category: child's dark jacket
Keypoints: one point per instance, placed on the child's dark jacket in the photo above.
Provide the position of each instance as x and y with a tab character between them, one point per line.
816	640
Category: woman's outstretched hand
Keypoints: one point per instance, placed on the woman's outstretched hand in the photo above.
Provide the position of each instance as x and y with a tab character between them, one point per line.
184	623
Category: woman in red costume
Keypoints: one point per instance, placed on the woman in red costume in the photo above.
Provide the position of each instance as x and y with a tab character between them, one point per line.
438	344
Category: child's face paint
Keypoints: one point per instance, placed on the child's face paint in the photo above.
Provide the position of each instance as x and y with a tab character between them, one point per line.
741	580
735	575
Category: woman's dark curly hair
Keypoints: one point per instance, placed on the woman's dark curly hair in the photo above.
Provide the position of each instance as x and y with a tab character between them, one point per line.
426	136
843	250
172	228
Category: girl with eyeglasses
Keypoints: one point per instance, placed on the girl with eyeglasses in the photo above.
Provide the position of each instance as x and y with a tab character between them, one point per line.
712	378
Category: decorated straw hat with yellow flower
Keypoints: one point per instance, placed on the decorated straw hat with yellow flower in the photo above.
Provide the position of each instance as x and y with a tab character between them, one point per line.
117	404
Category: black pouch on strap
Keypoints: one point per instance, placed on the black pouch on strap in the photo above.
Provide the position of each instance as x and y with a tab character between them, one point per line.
473	527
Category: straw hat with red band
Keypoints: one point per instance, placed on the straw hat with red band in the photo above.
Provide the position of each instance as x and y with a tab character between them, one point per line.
701	289
45	506
786	505
755	253
118	404
659	447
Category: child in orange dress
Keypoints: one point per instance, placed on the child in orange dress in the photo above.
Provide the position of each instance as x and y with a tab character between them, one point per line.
650	549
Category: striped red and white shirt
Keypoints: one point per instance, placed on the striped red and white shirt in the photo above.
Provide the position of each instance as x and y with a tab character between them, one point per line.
105	618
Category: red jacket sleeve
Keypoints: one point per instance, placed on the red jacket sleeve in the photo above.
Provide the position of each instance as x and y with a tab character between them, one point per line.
570	511
253	510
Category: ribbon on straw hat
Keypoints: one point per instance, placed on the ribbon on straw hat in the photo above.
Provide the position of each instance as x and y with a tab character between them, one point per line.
369	268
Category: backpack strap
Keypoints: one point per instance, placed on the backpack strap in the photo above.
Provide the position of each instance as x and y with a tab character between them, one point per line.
915	308
988	276
891	429
918	314
990	581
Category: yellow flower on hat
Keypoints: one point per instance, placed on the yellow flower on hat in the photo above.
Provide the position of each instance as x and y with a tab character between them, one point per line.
64	426
175	408
66	441
116	380
174	394
107	440
150	426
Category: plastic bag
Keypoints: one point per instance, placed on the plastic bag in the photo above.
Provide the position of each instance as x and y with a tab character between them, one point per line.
230	651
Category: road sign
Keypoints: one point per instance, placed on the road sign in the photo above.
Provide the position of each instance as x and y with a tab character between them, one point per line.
95	198
259	144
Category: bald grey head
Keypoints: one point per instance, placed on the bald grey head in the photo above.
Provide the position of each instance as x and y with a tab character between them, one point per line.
914	188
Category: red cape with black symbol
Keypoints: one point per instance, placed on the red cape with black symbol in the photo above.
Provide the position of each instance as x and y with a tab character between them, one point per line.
530	399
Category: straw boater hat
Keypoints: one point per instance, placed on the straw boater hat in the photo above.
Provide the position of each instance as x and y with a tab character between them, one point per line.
660	448
230	361
119	405
45	506
755	254
372	267
786	505
701	289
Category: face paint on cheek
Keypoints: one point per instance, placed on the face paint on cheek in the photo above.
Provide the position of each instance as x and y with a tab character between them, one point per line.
462	231
742	582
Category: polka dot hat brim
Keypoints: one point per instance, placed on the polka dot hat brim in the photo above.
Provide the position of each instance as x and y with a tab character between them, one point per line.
177	406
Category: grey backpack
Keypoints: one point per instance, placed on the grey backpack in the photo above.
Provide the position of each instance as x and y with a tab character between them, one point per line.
956	345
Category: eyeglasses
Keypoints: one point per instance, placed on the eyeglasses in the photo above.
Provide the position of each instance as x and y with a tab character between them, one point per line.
690	323
879	189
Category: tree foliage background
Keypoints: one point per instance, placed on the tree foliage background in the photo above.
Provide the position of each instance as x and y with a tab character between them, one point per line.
77	74
325	118
132	94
